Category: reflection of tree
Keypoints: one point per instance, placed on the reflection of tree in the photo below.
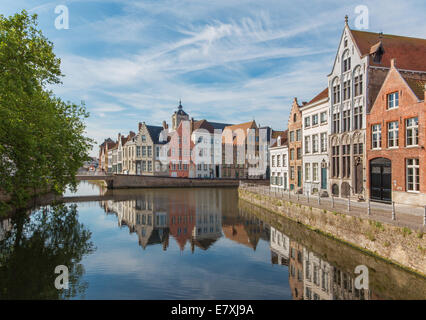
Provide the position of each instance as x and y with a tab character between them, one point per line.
35	246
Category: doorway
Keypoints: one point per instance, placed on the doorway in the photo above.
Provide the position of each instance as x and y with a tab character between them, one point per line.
381	180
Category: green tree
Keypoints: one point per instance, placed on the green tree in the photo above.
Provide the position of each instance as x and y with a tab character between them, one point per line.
42	142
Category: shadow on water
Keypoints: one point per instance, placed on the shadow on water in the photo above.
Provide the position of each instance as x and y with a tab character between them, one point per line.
239	245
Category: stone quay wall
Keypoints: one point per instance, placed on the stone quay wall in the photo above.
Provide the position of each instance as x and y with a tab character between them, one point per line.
399	245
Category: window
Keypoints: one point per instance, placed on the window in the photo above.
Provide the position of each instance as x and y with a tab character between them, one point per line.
377	136
357	118
346	90
393	134
358	148
323	117
413	176
336	93
347	64
307	144
294	117
336	122
315	171
284	160
273	161
307	122
278	160
412	131
346	120
299	135
143	138
291	136
315	119
291	154
315	143
346	161
358	85
292	173
299	153
138	151
324	142
393	100
335	161
149	166
307	171
149	151
143	151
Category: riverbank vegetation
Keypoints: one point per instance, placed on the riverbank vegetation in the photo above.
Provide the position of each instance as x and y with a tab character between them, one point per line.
42	142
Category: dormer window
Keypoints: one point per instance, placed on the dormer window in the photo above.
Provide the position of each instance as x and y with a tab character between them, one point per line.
377	52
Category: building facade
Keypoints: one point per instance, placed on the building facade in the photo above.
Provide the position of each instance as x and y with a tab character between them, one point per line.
279	162
295	148
362	62
315	144
396	136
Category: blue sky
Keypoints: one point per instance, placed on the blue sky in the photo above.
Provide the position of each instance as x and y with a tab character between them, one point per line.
229	61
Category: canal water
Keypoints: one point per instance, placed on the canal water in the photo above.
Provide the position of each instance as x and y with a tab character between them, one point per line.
182	244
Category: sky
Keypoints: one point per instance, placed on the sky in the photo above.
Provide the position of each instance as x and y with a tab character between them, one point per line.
229	61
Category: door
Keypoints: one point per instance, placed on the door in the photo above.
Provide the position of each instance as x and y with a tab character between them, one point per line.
138	168
217	171
381	177
323	178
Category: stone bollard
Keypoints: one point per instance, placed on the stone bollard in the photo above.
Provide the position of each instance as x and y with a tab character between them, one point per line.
393	210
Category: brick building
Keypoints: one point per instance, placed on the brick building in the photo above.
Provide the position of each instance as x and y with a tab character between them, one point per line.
396	135
295	147
361	65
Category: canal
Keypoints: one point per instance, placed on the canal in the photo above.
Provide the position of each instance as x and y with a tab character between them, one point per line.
182	244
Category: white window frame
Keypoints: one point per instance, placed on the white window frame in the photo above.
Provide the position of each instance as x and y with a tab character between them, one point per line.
414	129
376	136
414	165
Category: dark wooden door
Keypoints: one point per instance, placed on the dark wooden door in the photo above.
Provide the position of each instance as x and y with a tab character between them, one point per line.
381	179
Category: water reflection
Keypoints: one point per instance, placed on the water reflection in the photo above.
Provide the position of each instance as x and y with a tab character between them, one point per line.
235	251
32	246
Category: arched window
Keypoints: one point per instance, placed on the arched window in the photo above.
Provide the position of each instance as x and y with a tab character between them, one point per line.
294	117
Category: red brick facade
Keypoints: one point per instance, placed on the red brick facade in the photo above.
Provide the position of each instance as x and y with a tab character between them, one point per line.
411	104
295	147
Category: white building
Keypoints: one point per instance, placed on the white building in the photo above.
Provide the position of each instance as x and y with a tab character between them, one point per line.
315	144
279	162
318	283
280	246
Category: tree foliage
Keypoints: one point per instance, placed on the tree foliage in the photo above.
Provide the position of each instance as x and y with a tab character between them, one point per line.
42	142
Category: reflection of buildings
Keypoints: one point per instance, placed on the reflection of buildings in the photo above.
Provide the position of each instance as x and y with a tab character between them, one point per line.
280	247
243	228
181	216
317	282
208	211
146	216
295	272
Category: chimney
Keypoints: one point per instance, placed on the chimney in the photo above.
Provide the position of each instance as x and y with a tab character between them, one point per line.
393	63
165	126
192	125
140	126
